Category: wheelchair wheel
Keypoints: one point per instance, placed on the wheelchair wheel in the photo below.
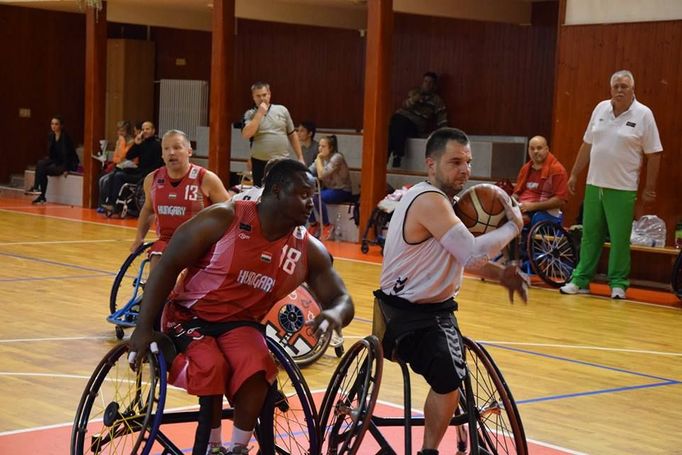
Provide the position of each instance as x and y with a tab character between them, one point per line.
288	422
351	395
676	280
500	430
120	410
127	290
551	253
286	324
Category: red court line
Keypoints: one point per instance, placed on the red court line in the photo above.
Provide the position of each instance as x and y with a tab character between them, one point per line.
55	441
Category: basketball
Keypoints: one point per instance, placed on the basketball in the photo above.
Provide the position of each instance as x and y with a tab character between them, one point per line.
480	209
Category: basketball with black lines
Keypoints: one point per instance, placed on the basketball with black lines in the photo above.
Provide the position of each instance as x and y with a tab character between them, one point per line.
480	209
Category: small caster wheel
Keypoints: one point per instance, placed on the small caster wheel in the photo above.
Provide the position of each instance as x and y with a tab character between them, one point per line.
339	351
364	247
119	332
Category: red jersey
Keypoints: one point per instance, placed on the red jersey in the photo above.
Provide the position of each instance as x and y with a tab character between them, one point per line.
243	275
176	201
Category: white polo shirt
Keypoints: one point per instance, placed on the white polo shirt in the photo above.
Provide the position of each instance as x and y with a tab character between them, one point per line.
618	144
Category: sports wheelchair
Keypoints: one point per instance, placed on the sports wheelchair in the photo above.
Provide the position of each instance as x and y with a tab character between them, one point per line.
129	201
122	411
285	323
546	249
487	421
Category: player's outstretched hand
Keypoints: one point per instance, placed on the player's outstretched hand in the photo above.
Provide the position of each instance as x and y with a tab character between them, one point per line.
512	210
138	344
515	281
325	322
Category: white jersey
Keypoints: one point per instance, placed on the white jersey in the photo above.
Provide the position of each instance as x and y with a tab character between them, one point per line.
422	272
252	194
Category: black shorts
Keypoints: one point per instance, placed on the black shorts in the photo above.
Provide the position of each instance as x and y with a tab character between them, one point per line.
436	353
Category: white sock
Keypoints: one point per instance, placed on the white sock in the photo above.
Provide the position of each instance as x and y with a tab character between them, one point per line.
215	439
241	437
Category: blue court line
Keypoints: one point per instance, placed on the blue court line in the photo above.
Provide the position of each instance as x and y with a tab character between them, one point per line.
582	362
61	264
71	277
596	392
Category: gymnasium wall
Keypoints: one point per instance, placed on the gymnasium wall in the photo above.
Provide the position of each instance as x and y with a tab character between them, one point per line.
43	58
587	56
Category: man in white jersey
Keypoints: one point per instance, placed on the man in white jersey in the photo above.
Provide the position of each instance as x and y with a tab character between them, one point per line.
427	248
621	132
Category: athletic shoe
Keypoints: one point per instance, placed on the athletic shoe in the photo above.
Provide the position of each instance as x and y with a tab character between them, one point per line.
617	293
218	450
326	232
572	289
39	200
337	339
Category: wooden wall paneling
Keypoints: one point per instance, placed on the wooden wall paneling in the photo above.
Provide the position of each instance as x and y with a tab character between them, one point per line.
588	55
316	72
43	58
130	83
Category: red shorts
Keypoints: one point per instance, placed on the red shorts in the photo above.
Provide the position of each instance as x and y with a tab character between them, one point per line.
219	366
158	247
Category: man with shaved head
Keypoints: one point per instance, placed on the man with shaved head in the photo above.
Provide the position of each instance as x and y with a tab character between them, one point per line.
542	184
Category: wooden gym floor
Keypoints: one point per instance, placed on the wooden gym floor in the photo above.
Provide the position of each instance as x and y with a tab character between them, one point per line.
590	375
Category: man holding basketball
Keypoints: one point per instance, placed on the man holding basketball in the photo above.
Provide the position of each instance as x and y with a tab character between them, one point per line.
424	260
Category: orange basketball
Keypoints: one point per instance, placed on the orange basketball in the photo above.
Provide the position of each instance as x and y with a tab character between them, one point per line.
480	209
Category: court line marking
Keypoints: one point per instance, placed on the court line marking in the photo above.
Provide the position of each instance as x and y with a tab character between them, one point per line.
596	392
44	215
25	340
61	278
576	346
582	362
53	242
60	264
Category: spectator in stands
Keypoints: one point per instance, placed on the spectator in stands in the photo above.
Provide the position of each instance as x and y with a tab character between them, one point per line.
420	113
270	129
60	160
542	184
124	141
332	171
621	132
147	149
309	146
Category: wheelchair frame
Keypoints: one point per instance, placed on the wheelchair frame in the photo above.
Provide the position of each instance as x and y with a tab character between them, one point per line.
131	419
485	401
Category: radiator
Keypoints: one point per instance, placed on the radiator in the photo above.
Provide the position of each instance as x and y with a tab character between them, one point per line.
183	105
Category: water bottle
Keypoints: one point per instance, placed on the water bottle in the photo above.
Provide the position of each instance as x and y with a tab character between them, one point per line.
678	235
337	226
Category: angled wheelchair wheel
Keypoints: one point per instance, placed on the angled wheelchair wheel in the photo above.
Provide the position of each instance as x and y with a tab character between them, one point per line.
286	324
551	252
676	280
126	292
288	422
350	398
500	430
120	410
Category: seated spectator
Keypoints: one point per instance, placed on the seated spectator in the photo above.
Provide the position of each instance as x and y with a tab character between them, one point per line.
306	136
60	160
420	113
542	184
123	143
146	148
332	171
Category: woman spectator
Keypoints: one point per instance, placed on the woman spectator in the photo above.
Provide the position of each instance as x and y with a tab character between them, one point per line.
124	140
61	159
332	171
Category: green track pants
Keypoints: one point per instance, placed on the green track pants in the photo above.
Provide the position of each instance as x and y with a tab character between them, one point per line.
606	211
